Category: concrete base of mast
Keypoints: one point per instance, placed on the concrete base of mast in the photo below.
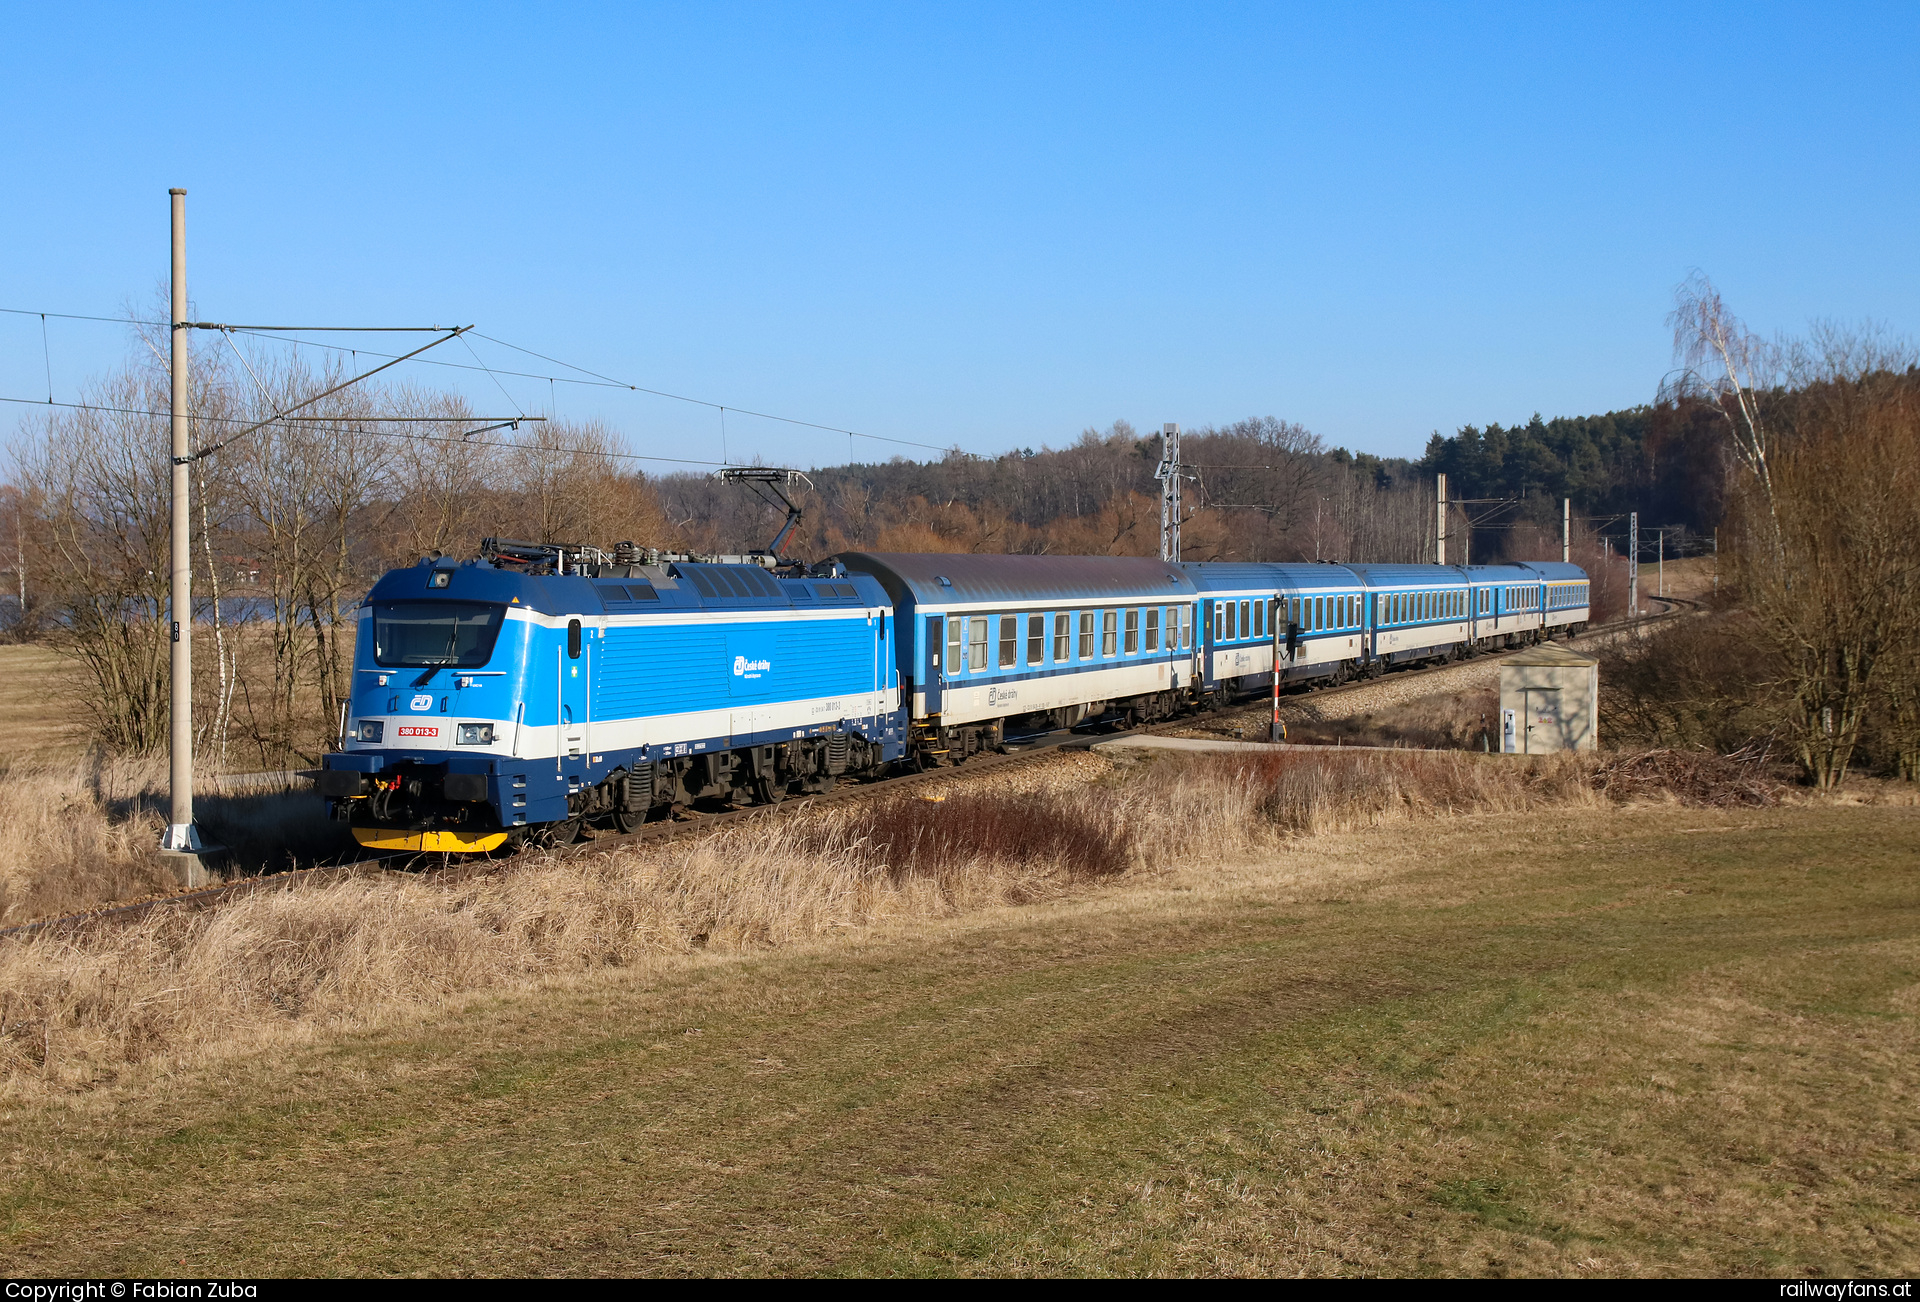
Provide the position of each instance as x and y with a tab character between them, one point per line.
195	862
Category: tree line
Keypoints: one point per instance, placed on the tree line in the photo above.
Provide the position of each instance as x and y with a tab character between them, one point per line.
295	522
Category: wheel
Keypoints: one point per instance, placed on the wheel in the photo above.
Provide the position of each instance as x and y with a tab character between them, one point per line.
563	833
769	791
628	822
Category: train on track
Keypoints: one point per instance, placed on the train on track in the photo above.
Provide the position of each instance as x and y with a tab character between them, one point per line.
538	687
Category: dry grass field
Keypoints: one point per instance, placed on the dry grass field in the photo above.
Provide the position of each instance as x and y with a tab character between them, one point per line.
44	720
1545	1038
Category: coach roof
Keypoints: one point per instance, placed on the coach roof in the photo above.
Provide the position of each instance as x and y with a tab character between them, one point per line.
940	579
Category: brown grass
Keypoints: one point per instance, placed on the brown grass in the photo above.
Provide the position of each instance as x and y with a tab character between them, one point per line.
44	718
83	1005
1699	778
84	833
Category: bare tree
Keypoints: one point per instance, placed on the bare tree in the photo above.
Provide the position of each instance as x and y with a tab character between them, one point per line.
1823	436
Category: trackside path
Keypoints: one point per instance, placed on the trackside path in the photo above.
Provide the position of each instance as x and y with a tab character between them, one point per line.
1573	1044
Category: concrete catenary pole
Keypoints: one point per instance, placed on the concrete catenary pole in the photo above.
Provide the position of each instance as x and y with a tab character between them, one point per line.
1633	563
182	840
1440	520
1566	530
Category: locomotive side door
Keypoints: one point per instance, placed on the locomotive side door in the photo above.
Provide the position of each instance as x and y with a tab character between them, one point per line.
932	669
576	685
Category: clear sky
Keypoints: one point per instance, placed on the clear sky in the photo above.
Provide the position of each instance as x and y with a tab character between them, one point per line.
989	226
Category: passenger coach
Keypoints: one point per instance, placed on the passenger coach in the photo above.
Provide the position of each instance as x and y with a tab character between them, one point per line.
1064	638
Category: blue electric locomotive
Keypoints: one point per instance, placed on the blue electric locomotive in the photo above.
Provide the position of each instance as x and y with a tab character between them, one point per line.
538	687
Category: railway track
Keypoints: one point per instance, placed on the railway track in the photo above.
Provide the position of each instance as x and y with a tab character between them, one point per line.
1022	750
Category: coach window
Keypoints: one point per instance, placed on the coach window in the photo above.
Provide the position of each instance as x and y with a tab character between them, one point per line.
1153	629
977	643
1219	621
1061	626
1109	631
1086	635
1009	641
1036	639
1133	632
1260	618
955	630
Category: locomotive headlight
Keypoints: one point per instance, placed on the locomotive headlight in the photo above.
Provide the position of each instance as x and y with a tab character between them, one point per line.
474	734
372	730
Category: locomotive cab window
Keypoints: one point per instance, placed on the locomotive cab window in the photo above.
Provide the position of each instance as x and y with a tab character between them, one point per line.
573	639
429	634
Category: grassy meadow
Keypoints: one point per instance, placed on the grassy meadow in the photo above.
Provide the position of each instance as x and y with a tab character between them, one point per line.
1540	1038
45	722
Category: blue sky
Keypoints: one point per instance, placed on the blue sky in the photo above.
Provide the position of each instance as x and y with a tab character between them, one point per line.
989	226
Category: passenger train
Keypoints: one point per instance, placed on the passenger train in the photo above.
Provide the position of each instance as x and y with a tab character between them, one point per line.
536	688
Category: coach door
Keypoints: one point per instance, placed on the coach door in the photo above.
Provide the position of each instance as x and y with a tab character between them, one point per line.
931	669
1207	609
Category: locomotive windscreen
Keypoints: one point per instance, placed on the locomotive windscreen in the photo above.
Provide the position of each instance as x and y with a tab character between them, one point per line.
425	634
